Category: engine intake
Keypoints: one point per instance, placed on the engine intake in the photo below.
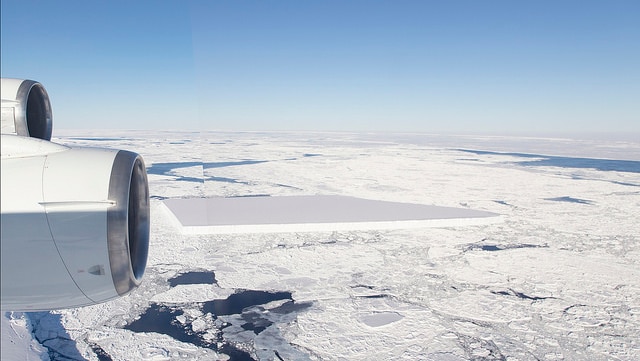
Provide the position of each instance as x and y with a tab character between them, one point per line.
128	220
26	109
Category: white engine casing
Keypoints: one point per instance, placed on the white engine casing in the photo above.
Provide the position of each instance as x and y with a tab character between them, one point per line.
26	109
74	221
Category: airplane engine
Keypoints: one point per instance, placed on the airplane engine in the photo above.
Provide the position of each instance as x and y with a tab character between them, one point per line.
74	221
26	109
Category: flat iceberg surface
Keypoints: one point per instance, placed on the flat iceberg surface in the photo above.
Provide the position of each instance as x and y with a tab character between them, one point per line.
311	213
557	278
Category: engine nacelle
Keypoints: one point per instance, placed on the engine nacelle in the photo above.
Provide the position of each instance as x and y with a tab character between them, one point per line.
26	109
74	221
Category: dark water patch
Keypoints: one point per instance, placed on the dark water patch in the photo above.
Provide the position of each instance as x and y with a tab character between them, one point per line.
254	321
258	319
373	296
307	155
226	180
626	184
189	179
237	302
364	286
194	278
578	177
288	186
101	354
616	165
495	247
511	292
525	245
158	197
329	241
231	164
502	202
588	163
242	311
166	168
625	193
47	330
159	318
570	200
162	319
291	307
487	152
206	179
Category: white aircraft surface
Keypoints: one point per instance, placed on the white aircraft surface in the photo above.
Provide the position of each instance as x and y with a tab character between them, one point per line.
75	221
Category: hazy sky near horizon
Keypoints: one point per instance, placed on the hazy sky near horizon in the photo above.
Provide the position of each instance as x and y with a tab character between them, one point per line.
426	66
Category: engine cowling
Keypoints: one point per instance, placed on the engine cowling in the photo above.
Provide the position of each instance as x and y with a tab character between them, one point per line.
26	109
74	221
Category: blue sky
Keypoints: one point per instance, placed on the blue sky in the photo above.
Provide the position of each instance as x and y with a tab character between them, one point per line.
427	66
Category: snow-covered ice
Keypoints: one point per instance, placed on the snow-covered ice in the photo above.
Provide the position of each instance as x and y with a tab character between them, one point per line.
557	279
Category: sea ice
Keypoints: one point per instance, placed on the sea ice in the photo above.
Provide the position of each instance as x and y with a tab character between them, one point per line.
556	279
